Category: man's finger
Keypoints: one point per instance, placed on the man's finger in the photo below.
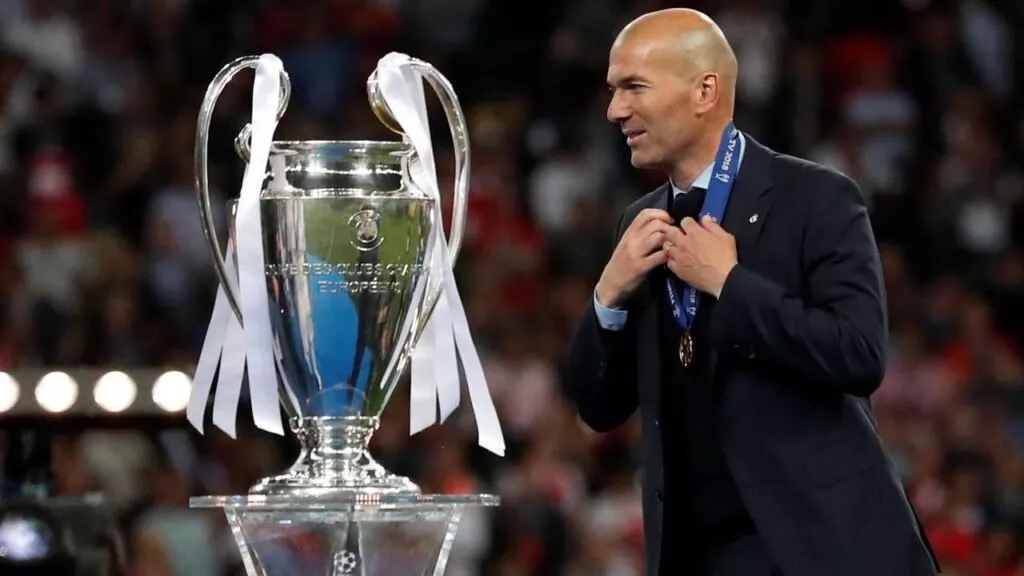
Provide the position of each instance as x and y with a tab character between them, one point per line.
709	224
651	243
675	236
641	229
672	266
689	225
656	258
648	214
652	226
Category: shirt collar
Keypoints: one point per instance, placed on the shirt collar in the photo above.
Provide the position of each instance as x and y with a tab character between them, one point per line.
703	180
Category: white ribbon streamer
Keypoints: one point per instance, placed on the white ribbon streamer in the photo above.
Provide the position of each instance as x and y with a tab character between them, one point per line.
232	369
249	351
252	284
224	343
210	355
446	337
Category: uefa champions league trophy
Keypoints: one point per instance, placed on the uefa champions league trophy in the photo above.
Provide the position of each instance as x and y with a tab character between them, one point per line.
336	270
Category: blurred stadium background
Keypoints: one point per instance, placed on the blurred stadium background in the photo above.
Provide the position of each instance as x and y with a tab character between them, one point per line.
103	268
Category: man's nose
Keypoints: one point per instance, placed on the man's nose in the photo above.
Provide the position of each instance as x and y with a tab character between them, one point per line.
617	110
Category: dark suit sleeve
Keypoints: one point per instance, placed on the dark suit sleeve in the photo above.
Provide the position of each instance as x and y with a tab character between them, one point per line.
601	370
836	334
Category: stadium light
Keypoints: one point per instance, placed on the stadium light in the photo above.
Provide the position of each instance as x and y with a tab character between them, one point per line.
115	391
84	391
171	391
56	392
9	392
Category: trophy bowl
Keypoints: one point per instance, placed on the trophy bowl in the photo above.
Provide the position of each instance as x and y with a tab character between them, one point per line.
346	249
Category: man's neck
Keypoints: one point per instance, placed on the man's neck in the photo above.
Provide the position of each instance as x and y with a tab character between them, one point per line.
697	159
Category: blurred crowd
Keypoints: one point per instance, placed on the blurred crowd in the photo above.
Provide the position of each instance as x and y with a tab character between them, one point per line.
103	261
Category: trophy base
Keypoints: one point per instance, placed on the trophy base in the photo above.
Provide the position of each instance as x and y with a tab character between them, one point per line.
353	535
334	461
372	479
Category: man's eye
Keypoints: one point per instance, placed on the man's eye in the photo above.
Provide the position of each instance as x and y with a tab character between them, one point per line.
632	87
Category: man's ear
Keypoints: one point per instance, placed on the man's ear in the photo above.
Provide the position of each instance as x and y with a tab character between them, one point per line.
708	90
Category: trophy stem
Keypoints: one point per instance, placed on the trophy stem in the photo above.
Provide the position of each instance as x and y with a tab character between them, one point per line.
334	458
339	446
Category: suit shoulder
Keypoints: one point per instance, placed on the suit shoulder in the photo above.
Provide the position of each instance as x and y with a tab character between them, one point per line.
817	181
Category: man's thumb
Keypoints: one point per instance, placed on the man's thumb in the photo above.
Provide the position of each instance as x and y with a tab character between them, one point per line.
710	225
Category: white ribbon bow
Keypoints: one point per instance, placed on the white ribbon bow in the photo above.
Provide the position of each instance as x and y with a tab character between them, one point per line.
249	351
446	337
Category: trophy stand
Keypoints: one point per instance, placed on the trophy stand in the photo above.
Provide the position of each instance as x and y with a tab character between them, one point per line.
354	535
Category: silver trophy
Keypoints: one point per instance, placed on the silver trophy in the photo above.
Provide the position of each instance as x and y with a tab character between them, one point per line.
345	239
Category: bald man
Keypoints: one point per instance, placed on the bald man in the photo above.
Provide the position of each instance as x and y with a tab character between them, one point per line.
743	313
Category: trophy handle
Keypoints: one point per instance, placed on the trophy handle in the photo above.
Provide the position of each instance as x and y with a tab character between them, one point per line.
220	81
460	142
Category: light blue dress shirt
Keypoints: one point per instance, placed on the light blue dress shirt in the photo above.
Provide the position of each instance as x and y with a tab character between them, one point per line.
614	319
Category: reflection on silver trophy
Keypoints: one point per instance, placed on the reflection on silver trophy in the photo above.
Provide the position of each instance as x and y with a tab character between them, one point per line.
351	278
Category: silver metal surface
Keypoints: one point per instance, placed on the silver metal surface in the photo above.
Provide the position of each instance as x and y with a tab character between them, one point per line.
335	463
345	245
345	238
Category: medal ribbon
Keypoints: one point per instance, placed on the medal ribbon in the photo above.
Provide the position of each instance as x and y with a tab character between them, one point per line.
723	177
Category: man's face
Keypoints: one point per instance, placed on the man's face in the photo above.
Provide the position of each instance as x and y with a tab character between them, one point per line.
653	101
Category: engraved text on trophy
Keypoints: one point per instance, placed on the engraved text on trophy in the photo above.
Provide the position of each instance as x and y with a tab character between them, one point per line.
359	277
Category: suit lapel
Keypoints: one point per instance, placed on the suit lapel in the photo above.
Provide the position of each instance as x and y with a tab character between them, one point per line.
748	206
749	203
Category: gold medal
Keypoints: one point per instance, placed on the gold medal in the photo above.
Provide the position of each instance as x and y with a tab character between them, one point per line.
686	349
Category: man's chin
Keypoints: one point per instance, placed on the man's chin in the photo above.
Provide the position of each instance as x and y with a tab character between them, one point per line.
642	161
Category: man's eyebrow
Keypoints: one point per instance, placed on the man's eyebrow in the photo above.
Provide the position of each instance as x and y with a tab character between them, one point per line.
626	80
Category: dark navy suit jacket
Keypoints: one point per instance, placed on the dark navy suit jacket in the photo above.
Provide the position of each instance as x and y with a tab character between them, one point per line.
800	336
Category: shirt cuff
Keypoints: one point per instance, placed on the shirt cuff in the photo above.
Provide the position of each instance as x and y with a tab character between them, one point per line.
612	319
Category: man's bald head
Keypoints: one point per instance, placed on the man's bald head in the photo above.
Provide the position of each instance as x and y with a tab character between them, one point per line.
687	40
673	77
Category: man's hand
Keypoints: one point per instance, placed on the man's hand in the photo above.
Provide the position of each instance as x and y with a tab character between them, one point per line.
702	255
639	250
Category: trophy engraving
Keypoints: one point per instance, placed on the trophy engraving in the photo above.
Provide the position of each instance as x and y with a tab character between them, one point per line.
347	271
365	225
